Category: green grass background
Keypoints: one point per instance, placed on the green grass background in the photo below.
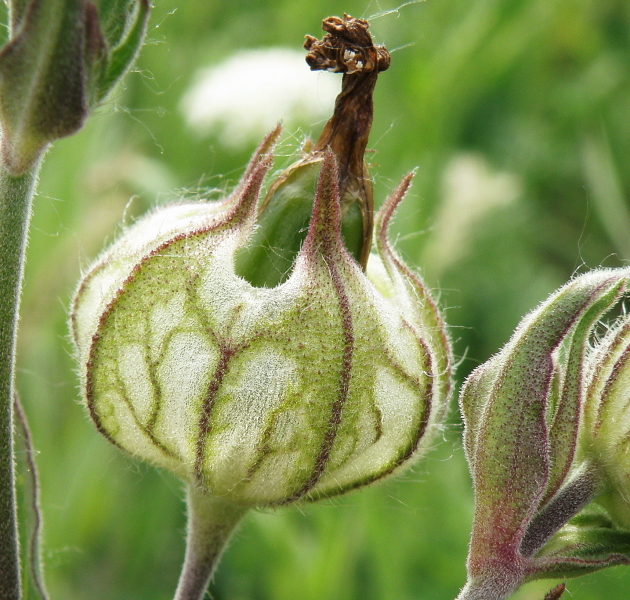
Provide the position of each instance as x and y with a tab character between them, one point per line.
537	89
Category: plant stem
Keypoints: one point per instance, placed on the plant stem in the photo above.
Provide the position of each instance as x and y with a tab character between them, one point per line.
211	522
493	588
16	193
35	539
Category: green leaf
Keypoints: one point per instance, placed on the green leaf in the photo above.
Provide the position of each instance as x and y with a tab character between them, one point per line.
122	56
115	16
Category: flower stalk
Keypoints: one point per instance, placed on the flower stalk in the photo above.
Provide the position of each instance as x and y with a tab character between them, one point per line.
211	523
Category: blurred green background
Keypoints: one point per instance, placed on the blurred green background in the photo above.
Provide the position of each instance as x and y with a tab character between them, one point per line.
517	115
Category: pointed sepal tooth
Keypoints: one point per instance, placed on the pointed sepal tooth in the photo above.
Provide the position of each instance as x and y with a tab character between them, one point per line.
590	542
605	436
473	398
266	147
562	567
324	232
384	216
240	207
575	494
415	298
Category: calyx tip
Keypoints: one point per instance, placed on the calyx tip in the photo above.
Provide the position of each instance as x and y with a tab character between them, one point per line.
241	205
324	232
384	215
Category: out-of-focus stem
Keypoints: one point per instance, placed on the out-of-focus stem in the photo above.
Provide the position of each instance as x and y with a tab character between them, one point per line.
35	538
16	193
211	522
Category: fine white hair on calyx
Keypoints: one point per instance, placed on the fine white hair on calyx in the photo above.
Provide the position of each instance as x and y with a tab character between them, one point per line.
246	95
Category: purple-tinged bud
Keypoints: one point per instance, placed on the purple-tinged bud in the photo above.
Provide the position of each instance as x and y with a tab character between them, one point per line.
524	413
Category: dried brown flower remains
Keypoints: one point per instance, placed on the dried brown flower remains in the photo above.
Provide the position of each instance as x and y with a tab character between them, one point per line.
348	48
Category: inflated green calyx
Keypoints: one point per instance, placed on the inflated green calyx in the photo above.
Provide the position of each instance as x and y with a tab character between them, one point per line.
328	381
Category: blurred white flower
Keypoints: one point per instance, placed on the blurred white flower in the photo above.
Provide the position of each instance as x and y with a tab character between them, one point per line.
470	191
245	96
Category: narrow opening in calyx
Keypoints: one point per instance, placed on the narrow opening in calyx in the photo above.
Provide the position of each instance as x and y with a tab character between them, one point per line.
285	211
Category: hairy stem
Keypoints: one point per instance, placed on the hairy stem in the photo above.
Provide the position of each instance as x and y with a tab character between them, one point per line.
211	522
496	583
16	193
